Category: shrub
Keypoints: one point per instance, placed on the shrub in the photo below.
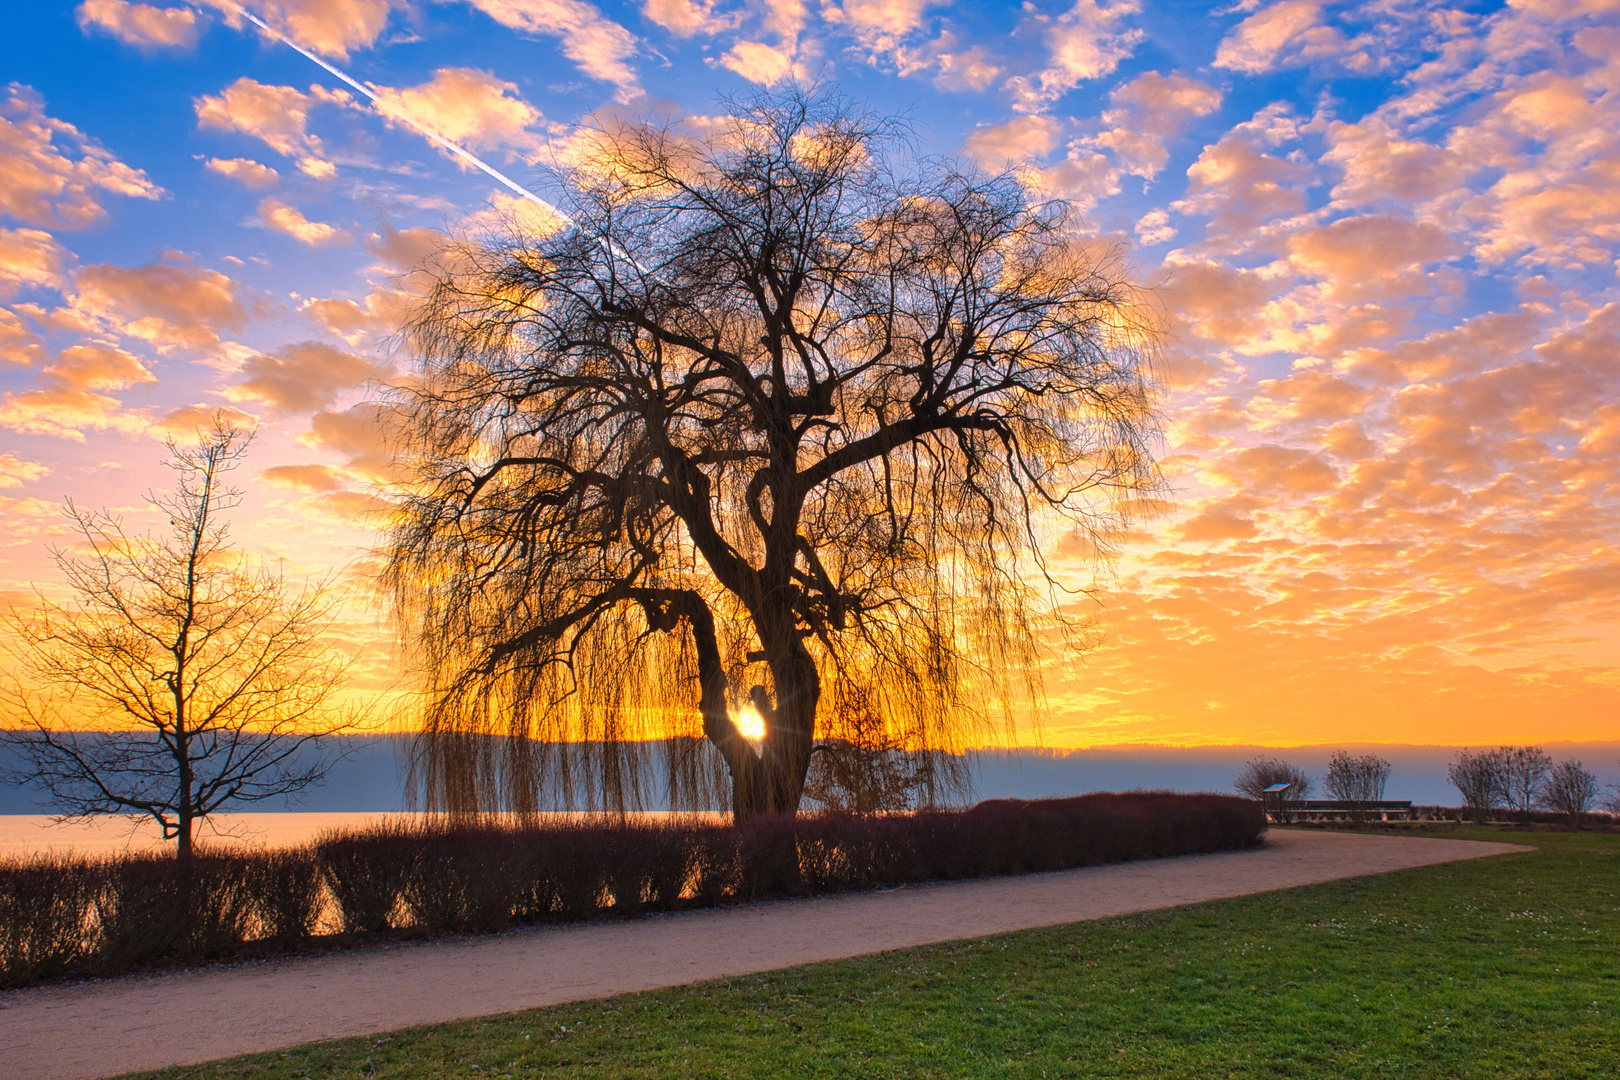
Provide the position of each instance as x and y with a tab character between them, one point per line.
366	870
60	916
44	902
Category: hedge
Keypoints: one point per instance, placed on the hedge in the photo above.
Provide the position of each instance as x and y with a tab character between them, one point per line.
63	917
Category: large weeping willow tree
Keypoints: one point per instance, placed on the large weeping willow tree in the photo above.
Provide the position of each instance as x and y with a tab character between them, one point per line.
762	447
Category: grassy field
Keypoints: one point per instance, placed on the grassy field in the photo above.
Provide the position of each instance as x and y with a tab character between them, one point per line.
1505	967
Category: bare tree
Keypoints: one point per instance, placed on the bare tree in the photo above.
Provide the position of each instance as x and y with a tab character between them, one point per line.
181	679
859	768
1261	773
1357	781
1524	768
1569	789
781	413
1480	777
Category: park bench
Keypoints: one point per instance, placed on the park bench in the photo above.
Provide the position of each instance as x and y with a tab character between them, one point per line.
1333	809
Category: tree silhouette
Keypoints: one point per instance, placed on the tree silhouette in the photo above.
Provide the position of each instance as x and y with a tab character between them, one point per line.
782	411
182	679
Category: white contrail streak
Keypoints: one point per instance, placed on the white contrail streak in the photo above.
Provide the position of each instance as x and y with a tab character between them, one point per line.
424	129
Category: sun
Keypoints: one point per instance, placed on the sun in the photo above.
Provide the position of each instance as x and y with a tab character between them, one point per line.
750	723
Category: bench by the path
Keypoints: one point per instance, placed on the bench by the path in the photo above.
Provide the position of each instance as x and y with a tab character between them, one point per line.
89	1030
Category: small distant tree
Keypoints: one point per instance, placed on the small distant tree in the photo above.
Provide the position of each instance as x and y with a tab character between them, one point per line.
181	679
1357	781
1480	777
1524	769
863	767
1263	772
1569	789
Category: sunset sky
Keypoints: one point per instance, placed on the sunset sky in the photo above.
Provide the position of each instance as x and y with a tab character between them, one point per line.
1384	238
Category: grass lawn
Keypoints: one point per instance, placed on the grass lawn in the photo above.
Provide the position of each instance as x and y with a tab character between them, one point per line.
1503	967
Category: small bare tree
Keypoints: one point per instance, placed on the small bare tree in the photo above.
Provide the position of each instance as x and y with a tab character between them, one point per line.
1357	781
1524	769
1479	776
1569	789
782	415
1264	772
181	680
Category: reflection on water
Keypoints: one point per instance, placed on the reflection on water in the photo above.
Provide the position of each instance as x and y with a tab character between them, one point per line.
27	834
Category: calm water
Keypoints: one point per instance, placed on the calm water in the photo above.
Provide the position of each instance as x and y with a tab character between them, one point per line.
28	834
25	834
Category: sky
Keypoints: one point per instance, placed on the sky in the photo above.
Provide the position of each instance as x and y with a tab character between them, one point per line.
1382	240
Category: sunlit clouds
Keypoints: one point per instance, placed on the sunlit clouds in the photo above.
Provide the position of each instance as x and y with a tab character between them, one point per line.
1381	240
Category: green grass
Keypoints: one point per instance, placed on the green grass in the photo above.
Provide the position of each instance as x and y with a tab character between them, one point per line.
1504	967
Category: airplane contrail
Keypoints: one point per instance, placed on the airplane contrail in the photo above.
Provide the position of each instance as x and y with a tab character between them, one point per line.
424	129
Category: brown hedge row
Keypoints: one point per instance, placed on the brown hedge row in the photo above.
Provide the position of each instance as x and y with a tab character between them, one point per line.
66	918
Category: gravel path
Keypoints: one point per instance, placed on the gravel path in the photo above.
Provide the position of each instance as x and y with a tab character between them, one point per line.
100	1029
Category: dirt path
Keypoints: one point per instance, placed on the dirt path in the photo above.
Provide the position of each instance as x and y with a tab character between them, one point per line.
101	1029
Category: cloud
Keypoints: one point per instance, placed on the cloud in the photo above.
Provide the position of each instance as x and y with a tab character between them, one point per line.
166	305
145	27
302	377
18	345
1379	165
15	472
758	62
360	433
1020	139
1371	257
276	115
1238	187
307	478
1083	178
599	46
249	172
187	422
97	367
286	219
329	27
65	413
687	18
1147	112
1154	227
1087	42
469	107
30	258
1283	35
49	170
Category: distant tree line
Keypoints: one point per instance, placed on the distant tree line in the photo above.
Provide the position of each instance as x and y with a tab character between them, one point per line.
1513	778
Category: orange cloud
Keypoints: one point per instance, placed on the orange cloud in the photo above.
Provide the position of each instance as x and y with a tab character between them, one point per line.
1238	187
1371	257
686	18
1147	112
1086	42
251	173
285	219
141	25
302	377
97	367
330	27
469	107
1019	139
598	45
276	115
15	472
166	305
308	478
65	413
17	344
50	171
30	257
188	421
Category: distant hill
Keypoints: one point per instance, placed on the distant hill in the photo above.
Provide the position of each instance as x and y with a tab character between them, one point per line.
371	779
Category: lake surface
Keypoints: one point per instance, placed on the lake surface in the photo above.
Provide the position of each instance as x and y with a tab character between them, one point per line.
26	834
